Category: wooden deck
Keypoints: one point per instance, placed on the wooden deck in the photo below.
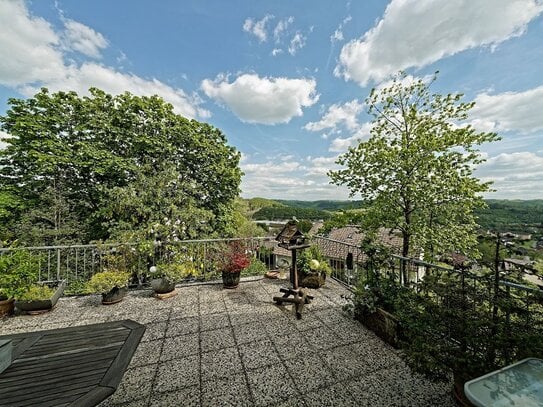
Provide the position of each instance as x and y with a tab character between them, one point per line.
78	366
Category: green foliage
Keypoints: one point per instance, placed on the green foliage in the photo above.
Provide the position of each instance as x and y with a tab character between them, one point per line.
305	225
505	215
88	168
175	271
286	212
305	262
417	167
324	205
105	281
37	292
76	287
254	204
459	323
18	271
255	268
241	224
342	219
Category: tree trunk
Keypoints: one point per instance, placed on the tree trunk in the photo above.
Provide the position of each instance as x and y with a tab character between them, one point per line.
405	253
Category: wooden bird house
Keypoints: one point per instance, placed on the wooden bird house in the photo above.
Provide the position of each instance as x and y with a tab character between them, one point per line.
291	238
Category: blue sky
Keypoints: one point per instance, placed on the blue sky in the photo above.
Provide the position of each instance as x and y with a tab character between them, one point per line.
286	81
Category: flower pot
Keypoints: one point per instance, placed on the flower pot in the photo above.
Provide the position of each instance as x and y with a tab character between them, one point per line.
383	324
114	296
40	306
311	280
230	280
162	285
6	307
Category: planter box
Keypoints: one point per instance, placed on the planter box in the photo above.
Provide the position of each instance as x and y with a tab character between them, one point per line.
384	324
43	305
5	354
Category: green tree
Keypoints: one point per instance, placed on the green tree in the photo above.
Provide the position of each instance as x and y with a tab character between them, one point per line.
417	167
98	146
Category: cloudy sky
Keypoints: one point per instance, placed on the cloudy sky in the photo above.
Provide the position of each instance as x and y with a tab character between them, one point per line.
286	81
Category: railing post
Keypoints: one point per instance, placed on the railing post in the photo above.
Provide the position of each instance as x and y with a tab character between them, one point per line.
58	264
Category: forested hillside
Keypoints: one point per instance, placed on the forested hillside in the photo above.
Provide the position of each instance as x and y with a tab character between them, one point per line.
504	214
500	214
323	205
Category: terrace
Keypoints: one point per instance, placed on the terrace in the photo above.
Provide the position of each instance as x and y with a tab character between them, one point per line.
210	346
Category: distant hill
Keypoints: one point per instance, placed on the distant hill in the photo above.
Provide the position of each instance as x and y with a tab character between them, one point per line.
504	214
323	205
501	214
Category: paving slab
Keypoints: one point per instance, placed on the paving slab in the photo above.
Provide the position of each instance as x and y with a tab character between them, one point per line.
209	346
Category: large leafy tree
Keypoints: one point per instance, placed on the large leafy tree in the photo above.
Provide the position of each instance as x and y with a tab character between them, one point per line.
417	167
93	151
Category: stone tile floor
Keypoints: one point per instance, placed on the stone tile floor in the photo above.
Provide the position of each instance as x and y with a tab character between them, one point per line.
213	347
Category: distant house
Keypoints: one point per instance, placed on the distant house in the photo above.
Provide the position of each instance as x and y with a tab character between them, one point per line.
340	245
524	237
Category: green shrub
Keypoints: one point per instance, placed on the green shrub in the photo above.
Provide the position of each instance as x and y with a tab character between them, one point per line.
255	268
37	292
18	271
105	281
312	260
175	271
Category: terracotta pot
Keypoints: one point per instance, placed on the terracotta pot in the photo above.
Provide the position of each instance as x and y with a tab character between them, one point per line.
230	280
114	296
7	307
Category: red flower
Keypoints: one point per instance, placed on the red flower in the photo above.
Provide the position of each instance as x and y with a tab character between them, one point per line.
235	259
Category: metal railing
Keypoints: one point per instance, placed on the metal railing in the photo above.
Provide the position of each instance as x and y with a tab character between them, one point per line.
77	263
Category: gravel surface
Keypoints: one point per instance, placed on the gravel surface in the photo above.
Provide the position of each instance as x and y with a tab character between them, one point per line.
213	347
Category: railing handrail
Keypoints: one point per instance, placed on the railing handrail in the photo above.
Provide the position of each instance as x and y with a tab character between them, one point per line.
419	262
91	245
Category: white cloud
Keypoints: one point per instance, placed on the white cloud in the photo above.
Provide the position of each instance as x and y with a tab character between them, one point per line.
510	111
79	37
81	78
258	28
281	27
31	57
292	180
515	175
276	51
338	114
296	43
337	36
263	100
28	46
341	144
414	33
3	135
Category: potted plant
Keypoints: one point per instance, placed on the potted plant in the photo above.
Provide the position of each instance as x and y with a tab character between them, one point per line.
312	268
113	285
164	276
235	259
18	270
40	298
375	306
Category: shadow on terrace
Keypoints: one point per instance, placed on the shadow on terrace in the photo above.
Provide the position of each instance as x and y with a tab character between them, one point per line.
209	346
